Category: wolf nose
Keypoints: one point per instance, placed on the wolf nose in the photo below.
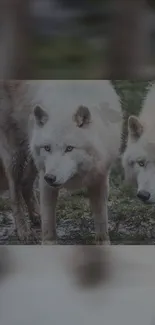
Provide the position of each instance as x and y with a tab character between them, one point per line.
50	179
143	195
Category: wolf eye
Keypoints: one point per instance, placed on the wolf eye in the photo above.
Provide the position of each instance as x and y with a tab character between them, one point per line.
69	149
47	148
141	163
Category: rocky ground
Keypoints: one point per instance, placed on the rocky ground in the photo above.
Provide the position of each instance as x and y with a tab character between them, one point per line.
130	222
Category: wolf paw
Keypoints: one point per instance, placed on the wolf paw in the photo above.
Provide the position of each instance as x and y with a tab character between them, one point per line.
102	240
35	219
27	236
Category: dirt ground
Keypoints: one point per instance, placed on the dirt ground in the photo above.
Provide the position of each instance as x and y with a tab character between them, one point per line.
130	221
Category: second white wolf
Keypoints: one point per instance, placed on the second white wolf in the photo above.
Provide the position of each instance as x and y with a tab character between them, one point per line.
139	157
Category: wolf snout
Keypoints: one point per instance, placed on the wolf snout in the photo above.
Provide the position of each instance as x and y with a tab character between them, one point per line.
143	195
50	179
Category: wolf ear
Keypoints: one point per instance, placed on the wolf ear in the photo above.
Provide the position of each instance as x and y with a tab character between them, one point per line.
40	115
82	116
135	127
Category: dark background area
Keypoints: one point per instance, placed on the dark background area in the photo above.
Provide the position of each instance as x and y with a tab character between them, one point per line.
64	39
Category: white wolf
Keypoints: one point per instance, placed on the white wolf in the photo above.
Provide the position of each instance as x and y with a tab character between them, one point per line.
139	157
74	131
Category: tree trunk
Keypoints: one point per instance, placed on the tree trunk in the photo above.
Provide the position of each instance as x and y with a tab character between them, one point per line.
14	39
129	40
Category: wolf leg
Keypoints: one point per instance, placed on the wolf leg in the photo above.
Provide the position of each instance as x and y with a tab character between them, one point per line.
98	196
30	174
23	228
48	201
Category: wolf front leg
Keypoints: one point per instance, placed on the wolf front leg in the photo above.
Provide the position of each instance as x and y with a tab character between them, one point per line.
30	174
24	231
98	196
48	201
13	170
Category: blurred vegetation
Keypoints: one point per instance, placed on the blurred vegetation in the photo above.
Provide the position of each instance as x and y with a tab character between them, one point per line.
66	58
74	43
132	95
72	47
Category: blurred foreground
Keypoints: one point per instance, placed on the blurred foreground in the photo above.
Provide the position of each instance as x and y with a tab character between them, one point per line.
40	285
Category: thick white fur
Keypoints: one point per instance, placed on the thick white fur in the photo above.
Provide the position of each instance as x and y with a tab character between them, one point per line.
96	144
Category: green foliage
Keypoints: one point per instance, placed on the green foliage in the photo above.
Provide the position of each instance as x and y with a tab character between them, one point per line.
132	95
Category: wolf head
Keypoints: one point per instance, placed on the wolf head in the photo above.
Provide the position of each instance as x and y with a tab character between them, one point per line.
62	147
139	159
